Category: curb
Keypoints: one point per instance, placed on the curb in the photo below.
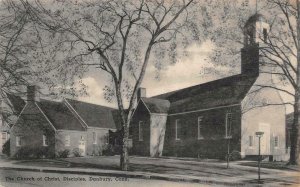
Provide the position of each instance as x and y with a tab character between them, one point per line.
148	176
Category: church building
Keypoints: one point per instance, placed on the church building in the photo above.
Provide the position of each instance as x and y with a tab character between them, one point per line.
219	117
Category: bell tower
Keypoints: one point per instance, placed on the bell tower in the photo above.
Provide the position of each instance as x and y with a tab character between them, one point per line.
255	33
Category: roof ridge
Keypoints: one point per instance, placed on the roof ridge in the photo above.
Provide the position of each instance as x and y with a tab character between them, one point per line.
84	102
201	84
50	100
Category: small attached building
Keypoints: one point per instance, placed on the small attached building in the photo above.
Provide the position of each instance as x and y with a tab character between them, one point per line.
149	119
65	125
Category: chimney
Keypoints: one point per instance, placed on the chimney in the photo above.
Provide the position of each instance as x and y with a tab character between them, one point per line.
33	93
141	93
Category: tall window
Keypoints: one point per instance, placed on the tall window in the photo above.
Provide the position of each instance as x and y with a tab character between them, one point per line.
4	137
250	141
141	130
67	140
276	141
45	140
200	128
228	125
265	33
18	141
177	129
94	138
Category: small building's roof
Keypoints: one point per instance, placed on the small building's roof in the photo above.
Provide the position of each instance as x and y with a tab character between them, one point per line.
60	115
156	105
94	115
221	92
17	103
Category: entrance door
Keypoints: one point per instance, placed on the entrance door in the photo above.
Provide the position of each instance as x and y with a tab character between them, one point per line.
265	139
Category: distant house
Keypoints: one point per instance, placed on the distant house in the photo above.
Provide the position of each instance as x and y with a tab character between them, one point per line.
10	106
210	119
58	126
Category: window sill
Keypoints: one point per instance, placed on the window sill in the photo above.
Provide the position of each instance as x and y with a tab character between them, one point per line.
228	137
200	138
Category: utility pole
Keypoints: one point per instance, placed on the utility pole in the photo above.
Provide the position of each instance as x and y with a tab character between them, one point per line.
228	152
259	135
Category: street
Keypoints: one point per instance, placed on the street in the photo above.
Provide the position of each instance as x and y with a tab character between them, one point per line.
11	178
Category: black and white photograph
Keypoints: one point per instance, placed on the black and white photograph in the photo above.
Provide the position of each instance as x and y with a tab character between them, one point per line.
132	93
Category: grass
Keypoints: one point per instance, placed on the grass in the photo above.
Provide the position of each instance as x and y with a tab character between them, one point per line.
268	165
44	163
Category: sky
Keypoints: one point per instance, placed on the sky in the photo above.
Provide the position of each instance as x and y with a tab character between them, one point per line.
186	72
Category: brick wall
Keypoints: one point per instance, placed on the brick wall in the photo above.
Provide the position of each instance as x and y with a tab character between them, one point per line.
141	147
31	126
101	141
75	138
213	143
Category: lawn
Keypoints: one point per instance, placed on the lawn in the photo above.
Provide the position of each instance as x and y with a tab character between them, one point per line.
44	163
268	165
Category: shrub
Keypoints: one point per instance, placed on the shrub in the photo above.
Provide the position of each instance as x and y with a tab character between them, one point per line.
23	153
108	150
6	148
234	155
28	152
77	152
63	154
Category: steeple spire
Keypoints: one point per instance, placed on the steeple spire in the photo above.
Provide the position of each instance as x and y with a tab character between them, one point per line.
256	7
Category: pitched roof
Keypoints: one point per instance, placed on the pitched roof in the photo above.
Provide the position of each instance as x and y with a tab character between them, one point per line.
94	115
221	92
156	105
59	115
255	18
17	102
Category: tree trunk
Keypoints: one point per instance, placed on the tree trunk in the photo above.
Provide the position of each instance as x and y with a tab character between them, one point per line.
124	157
294	154
294	133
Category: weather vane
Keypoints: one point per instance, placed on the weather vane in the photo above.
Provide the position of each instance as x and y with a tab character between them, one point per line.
256	6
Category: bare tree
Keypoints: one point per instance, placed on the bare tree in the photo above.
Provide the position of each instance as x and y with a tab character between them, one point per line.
119	38
279	53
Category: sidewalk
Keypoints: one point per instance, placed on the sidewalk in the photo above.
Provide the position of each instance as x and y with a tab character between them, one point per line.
116	173
207	172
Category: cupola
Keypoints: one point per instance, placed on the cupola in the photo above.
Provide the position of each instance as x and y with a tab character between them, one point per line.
256	30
